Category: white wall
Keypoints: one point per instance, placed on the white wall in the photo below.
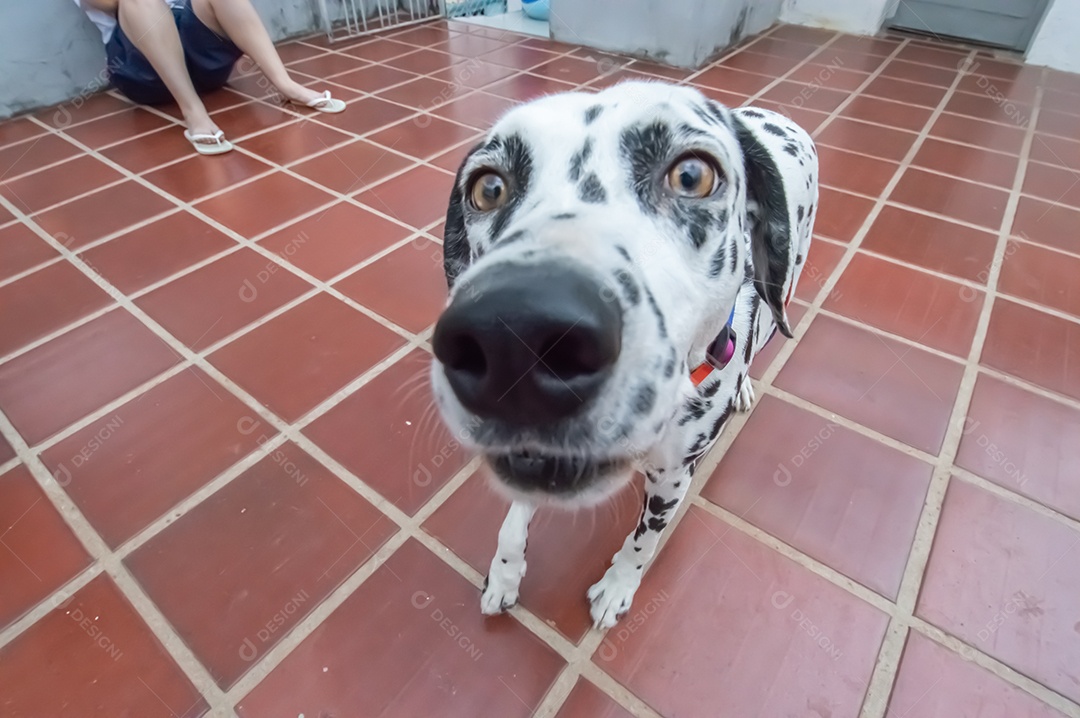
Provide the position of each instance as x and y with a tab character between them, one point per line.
1055	42
862	17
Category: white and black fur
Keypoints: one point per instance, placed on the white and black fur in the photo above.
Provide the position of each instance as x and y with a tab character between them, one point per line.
586	175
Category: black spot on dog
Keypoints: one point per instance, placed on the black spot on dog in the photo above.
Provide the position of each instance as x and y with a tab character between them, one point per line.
658	506
676	485
590	190
716	267
711	389
622	252
592	113
696	407
800	212
518	163
578	160
505	561
512	237
798	259
637	548
657	524
661	324
645	399
791	149
646	149
752	113
640	530
773	129
704	115
688	131
629	285
695	221
564	215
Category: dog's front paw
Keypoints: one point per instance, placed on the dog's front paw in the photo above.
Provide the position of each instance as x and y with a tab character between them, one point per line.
612	595
744	401
500	589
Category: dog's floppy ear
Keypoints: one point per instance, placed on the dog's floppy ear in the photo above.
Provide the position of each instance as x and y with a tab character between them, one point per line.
456	254
770	224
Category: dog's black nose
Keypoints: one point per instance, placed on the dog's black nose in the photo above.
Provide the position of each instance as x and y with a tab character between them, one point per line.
529	344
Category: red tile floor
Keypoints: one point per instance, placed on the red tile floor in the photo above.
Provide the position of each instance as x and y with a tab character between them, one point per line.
223	489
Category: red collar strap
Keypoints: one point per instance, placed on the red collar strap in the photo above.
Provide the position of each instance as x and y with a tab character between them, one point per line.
717	355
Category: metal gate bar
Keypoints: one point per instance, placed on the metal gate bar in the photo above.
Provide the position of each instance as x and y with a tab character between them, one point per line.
364	17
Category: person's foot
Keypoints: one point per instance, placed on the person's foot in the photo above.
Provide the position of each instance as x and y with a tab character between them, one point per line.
299	94
204	134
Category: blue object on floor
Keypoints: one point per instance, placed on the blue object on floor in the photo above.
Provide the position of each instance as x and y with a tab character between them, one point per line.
536	9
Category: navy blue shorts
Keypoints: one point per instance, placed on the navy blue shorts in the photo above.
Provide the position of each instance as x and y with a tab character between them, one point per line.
210	60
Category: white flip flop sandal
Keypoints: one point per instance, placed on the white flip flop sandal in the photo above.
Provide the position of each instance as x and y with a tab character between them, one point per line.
208	143
328	104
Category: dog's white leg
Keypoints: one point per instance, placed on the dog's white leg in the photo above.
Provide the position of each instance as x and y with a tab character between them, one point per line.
744	401
508	566
612	595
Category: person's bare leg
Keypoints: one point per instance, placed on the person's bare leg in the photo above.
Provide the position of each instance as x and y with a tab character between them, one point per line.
238	21
150	27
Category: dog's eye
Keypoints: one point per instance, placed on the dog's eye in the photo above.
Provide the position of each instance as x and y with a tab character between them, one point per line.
489	191
692	177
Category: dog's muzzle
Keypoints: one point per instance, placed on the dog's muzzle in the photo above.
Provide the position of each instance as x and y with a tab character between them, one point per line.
528	344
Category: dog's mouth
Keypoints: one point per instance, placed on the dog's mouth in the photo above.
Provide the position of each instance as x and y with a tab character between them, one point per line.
554	475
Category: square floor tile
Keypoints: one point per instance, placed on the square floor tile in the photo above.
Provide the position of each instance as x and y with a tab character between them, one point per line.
143	256
967	162
875	140
424	35
1002	578
867	45
931	56
423	61
951	197
1057	184
380	49
896	389
913	304
328	65
828	72
374	78
44	302
840	215
518	57
754	610
524	87
368	114
259	554
1022	441
93	655
33	154
858	173
1020	91
932	243
291	52
41	552
117	127
1043	276
917	72
568	550
102	213
944	685
318	347
199	176
332	241
1003	138
846	500
130	467
1055	151
140	154
49	387
423	93
351	167
75	112
214	301
574	70
423	136
34	192
408	453
1059	101
731	80
241	121
473	45
19	129
295	141
814	97
1050	224
264	204
588	701
474	73
1033	345
821	260
764	358
408	197
400	614
478	110
990	108
759	62
407	286
891	88
22	249
888	113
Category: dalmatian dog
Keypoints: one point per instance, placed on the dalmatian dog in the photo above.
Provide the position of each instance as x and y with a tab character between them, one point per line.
615	262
